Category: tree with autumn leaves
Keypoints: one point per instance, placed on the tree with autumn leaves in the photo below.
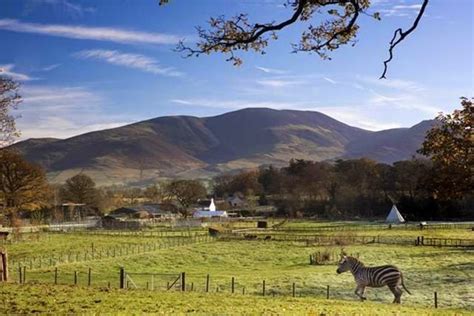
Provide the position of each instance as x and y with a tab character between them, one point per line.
23	185
186	193
450	146
328	25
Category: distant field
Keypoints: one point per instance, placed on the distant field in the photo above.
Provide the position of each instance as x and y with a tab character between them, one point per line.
448	271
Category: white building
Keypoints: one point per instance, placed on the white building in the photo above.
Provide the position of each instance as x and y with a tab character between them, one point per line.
209	212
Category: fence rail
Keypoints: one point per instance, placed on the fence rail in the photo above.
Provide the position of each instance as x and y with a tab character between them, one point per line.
346	227
145	233
203	283
346	240
93	253
447	242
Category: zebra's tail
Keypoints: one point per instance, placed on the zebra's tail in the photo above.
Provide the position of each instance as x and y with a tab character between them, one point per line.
403	284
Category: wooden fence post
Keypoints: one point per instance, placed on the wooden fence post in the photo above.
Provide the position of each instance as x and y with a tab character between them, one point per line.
207	283
436	299
4	265
89	277
20	274
263	288
24	274
56	275
122	278
183	281
75	277
327	292
294	289
233	285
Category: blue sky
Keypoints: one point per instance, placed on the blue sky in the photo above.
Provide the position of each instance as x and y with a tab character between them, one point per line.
86	65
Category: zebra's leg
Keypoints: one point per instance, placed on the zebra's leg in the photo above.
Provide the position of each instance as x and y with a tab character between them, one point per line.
359	291
362	291
397	293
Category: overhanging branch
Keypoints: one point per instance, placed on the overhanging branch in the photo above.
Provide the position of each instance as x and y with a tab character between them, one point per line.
399	35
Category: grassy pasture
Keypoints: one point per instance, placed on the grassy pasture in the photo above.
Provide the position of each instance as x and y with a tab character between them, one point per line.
47	299
448	271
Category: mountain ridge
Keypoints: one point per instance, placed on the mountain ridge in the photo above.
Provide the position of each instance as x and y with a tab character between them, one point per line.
190	146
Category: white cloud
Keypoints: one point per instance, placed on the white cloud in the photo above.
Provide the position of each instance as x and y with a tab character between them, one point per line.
134	61
399	84
271	70
279	83
356	116
62	7
50	67
391	94
405	101
237	104
330	80
411	6
400	10
61	112
108	34
183	102
7	70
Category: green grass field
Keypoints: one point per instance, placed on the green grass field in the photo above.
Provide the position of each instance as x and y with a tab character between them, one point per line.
448	271
54	300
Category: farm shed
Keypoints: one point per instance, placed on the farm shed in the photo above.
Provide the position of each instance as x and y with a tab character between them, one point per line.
110	222
236	200
161	211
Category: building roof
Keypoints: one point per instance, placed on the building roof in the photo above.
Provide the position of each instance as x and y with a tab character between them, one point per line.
152	209
204	213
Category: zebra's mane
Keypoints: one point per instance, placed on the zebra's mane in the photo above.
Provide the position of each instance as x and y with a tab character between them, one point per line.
354	260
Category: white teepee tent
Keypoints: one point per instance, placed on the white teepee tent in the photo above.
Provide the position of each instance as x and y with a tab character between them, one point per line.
394	216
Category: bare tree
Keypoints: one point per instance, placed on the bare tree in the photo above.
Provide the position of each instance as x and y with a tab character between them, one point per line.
339	27
9	100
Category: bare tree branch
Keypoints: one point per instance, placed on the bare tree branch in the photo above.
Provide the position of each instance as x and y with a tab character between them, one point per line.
399	35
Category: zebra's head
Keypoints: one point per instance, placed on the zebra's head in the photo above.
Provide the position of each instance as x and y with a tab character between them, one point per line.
343	265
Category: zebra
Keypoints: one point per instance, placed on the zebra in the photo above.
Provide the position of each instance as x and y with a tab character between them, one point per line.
379	276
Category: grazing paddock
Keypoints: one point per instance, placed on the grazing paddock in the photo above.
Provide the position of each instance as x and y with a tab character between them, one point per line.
47	299
448	271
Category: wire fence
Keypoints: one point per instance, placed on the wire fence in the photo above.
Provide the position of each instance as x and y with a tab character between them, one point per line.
51	260
342	240
207	283
145	233
358	227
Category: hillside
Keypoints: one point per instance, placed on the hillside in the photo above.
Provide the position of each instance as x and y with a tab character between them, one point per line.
390	145
186	146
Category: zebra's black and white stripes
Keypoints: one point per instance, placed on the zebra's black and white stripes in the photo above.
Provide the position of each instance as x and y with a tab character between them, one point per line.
387	275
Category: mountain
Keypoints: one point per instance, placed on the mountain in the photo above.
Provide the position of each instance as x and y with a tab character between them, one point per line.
390	145
187	146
